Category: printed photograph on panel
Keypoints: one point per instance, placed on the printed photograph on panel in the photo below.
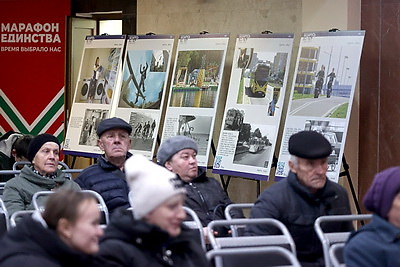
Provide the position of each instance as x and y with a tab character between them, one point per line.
143	130
197	128
262	78
333	131
323	81
98	75
253	145
91	120
234	119
143	79
197	77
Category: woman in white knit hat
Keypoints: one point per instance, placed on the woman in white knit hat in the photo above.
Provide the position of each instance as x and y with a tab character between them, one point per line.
151	234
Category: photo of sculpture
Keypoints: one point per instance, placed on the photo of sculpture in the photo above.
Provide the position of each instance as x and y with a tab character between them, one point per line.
91	120
196	78
197	128
144	75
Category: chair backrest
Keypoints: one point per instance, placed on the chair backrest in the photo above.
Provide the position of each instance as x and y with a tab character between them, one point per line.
328	239
283	240
336	255
16	216
237	230
63	167
254	257
4	219
195	224
39	200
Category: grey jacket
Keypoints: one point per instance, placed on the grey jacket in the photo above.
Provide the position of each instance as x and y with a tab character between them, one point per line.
18	191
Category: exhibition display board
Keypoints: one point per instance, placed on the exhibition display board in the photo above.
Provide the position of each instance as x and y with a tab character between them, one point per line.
322	92
195	88
95	93
133	90
254	105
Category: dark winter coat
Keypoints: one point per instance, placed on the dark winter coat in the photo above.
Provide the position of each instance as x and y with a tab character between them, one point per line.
291	203
130	242
109	181
375	244
207	198
32	244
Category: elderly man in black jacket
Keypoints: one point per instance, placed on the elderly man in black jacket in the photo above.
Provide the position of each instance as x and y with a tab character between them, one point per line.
298	200
204	194
107	177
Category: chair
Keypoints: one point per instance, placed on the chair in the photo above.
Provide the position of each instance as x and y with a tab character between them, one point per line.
283	240
336	255
328	239
237	230
254	257
16	216
195	224
63	167
4	219
38	203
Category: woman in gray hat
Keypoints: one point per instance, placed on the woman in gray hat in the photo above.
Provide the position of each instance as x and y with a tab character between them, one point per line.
42	175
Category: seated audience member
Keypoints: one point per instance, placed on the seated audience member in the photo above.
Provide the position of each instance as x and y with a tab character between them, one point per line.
7	142
107	177
42	175
19	151
377	243
204	195
303	196
66	234
151	234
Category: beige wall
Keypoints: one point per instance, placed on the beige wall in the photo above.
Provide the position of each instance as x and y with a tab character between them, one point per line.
247	16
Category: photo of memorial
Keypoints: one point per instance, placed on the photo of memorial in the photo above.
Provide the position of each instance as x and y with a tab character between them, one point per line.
91	120
143	130
144	75
197	128
196	78
253	145
98	75
234	119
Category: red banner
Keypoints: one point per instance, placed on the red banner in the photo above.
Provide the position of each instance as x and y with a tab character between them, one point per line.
32	69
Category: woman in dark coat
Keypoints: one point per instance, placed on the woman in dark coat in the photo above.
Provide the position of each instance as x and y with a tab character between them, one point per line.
65	235
151	234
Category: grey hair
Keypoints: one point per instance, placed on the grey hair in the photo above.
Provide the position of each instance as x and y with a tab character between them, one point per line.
294	159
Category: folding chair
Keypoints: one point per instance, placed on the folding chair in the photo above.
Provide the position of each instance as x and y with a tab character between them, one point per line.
254	257
237	230
328	239
336	255
195	224
39	200
284	240
16	216
4	219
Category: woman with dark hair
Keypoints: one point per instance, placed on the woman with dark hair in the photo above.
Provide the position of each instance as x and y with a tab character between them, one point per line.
66	234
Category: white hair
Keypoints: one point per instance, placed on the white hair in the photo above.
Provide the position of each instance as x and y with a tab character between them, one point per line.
294	159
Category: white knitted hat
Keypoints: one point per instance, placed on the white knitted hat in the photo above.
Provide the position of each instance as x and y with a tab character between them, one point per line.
150	185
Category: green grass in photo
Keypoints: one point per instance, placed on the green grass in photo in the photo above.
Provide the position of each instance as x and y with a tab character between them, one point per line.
340	112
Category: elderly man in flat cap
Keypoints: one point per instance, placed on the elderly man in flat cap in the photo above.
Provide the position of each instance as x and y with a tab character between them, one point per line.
377	243
107	177
204	194
306	194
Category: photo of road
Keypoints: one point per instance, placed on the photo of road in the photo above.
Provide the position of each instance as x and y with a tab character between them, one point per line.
246	157
317	107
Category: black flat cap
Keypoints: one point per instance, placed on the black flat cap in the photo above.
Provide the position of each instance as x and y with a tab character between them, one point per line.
309	145
113	123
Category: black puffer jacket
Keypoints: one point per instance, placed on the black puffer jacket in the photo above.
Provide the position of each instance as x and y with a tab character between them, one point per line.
291	203
130	242
31	244
207	198
107	180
